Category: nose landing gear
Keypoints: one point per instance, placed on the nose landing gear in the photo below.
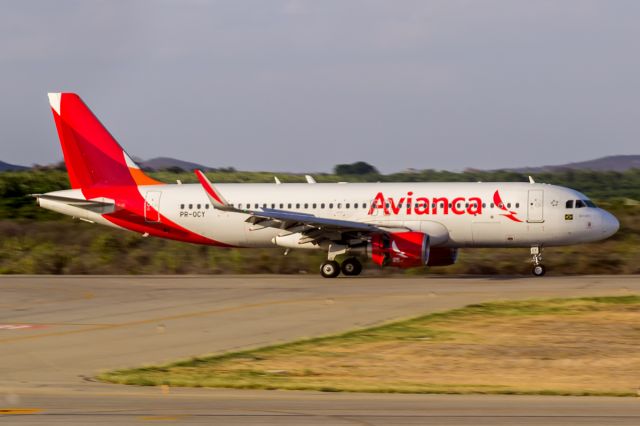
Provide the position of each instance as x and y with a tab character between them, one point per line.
536	258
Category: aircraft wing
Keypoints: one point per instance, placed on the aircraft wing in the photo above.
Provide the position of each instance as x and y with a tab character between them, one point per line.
313	227
289	219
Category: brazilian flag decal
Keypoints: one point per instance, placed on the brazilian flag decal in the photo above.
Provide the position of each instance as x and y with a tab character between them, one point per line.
568	217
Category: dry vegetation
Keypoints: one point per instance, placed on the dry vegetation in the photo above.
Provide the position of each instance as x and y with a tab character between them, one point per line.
38	241
587	346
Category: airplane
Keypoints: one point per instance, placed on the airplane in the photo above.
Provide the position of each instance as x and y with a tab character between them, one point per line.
402	225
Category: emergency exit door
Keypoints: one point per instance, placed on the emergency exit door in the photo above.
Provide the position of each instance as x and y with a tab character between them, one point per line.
152	206
535	205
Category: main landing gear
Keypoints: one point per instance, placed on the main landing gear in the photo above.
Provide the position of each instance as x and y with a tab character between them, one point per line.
536	258
349	267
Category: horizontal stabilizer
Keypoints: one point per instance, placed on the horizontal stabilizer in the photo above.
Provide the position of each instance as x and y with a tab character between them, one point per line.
101	205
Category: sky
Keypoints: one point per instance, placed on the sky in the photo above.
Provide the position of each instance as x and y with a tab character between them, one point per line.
300	86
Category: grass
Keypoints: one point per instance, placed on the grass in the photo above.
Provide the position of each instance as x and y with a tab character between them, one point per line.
585	346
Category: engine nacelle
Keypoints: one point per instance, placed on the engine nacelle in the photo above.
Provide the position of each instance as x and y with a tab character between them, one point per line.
400	249
442	256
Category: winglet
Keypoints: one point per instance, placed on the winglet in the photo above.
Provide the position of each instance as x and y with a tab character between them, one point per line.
216	198
309	179
531	180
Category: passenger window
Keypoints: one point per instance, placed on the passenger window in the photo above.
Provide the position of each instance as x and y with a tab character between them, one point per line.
355	205
199	206
508	205
181	206
315	205
517	205
257	205
190	206
281	205
206	206
339	205
306	205
492	205
289	205
330	205
580	204
322	206
484	205
297	205
347	205
273	205
569	204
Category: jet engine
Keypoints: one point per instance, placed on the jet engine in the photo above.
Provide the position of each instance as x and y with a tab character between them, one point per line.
400	249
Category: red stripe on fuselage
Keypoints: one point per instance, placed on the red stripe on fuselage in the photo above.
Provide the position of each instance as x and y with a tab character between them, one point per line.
129	214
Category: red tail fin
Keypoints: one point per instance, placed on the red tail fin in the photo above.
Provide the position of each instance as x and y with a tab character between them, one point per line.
93	157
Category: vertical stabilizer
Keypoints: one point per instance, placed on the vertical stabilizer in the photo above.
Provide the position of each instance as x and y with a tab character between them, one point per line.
93	157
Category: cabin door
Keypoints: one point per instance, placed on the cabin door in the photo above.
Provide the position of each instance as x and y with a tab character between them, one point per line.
535	206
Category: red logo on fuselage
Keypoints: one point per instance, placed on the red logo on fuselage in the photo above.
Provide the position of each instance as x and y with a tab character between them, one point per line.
423	205
502	206
437	205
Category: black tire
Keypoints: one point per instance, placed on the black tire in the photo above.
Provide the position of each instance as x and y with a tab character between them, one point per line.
330	269
539	270
351	267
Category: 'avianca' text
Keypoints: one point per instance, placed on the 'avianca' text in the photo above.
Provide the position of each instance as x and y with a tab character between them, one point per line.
424	205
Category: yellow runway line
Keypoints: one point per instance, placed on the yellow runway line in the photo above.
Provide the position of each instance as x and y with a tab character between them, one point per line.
163	418
18	411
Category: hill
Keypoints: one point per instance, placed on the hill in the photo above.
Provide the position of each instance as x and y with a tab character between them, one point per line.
167	163
612	163
4	167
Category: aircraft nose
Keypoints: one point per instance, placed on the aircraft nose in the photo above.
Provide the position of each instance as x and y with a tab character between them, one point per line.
610	224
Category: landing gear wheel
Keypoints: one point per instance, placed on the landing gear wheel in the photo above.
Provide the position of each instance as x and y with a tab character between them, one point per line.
330	269
539	270
351	267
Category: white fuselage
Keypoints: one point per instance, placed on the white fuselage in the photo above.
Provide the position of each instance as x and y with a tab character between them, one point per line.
452	214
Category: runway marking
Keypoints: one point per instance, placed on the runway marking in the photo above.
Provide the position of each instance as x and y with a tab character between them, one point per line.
21	326
186	315
18	411
163	418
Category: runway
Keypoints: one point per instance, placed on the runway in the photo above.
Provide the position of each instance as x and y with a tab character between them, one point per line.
56	333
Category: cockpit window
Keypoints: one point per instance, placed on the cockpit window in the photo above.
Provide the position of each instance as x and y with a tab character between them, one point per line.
580	204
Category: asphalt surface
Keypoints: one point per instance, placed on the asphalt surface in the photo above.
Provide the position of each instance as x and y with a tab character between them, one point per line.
57	333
